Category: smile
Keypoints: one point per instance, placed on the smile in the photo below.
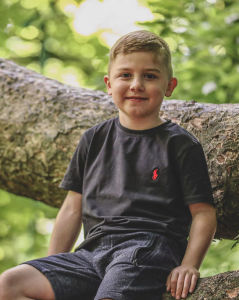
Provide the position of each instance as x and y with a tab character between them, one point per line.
137	99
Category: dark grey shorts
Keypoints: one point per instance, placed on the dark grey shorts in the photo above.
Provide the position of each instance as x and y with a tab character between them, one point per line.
119	266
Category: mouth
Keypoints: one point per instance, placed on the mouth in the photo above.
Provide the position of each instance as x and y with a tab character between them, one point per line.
137	99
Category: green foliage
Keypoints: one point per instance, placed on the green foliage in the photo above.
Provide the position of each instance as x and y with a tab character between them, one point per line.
25	226
204	37
40	35
236	241
221	257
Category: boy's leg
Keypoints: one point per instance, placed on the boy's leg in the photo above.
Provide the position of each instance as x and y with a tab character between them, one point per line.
62	276
25	282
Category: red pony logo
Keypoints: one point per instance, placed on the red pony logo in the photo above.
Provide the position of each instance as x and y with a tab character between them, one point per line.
155	174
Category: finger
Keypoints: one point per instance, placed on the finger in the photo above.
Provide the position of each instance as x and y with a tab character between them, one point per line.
180	285
168	282
186	286
193	282
173	283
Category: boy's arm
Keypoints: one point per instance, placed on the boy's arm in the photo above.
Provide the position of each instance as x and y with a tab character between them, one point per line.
183	279
67	225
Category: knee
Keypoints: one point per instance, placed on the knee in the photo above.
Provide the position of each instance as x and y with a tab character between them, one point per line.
7	284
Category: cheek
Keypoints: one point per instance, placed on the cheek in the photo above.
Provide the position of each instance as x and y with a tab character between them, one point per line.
159	90
119	88
155	92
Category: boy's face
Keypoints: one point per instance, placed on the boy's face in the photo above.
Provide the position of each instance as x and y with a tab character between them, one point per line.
138	83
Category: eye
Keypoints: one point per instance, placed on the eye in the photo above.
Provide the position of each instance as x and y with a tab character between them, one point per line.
125	75
150	76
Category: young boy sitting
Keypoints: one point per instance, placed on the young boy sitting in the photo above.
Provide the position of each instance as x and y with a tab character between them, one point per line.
138	182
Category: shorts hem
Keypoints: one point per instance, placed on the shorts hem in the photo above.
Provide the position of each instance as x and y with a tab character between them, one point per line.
51	278
111	295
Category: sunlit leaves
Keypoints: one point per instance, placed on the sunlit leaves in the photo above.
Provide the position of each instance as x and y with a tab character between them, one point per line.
24	48
220	258
205	49
39	33
24	229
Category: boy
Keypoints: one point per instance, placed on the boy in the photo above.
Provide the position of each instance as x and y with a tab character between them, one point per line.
137	181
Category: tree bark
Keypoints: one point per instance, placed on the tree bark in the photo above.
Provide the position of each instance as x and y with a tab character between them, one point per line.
224	286
41	122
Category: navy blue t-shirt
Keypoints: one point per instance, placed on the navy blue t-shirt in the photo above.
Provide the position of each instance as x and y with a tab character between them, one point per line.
138	180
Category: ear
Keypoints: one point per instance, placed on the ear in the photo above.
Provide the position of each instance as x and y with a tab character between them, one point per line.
108	85
171	86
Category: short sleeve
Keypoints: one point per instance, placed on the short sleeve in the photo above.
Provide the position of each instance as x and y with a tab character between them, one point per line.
193	174
73	178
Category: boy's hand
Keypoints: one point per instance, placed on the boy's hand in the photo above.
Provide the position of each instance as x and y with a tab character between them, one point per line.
182	280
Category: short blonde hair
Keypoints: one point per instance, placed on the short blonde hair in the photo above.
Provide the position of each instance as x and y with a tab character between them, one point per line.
142	40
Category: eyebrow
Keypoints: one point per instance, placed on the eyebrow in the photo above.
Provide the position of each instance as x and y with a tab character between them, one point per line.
147	70
153	70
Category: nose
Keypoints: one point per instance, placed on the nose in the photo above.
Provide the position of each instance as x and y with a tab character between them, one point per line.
137	84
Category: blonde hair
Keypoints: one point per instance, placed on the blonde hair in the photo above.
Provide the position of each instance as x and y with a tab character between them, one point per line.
142	40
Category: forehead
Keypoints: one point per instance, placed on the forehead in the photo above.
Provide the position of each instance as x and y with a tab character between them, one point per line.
140	59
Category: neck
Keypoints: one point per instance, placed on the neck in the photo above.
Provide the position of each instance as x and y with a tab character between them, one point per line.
140	124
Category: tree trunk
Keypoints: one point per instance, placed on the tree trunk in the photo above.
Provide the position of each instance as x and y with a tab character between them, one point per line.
42	120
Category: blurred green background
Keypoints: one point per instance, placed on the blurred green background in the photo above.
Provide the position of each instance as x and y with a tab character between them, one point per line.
69	40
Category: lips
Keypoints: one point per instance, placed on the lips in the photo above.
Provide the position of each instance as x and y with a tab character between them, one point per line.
135	98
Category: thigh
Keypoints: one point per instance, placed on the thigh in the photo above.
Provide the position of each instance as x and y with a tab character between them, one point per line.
71	275
139	271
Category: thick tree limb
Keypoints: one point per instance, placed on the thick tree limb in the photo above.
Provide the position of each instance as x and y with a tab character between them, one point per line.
41	121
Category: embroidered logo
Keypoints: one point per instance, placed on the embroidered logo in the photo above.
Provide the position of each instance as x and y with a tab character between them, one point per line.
155	175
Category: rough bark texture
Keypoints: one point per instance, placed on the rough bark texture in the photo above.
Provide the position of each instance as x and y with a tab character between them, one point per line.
41	121
223	286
